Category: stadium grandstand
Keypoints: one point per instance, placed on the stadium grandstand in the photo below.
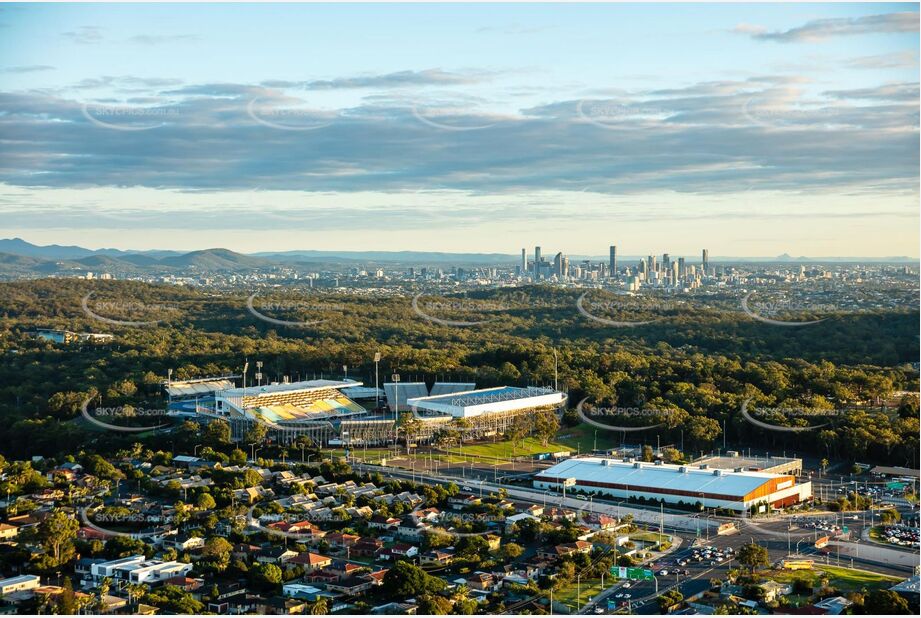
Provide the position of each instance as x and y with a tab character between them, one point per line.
324	413
687	485
483	413
311	408
501	399
399	392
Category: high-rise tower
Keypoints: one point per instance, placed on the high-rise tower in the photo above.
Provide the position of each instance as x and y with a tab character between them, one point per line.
612	261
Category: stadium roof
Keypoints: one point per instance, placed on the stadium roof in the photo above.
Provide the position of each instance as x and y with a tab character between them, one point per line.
488	400
445	388
190	389
305	385
664	476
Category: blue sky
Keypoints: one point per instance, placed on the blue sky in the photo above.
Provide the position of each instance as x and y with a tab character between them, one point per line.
750	129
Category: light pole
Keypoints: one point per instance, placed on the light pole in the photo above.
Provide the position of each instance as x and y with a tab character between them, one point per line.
556	373
377	390
396	397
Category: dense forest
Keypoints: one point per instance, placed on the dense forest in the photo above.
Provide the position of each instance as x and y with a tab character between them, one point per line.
694	363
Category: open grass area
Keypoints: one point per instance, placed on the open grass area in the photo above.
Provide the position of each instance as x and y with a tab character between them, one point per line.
506	449
570	594
649	537
857	578
584	438
842	578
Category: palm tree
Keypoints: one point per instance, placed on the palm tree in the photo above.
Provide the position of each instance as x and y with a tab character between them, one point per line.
320	607
460	593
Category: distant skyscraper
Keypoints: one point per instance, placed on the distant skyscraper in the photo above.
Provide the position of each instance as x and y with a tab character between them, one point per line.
666	262
612	261
558	265
681	269
705	261
536	263
524	262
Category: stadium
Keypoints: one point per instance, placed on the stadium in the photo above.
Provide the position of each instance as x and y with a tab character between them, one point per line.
326	413
737	490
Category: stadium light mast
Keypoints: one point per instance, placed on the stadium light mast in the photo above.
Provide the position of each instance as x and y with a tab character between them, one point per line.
377	391
556	376
396	397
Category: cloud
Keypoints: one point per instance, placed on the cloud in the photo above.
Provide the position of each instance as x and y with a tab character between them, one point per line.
708	138
820	29
894	60
84	35
128	83
158	39
399	79
32	68
887	92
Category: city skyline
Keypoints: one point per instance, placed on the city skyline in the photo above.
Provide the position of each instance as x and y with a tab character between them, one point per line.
591	125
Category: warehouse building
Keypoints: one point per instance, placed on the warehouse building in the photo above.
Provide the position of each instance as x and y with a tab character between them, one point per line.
688	485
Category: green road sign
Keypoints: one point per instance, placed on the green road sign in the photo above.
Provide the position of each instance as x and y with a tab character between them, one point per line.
631	573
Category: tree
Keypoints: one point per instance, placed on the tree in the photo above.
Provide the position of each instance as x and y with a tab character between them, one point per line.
546	425
647	453
268	575
883	602
512	550
753	556
407	580
434	605
320	607
56	535
669	599
217	548
256	433
205	502
216	433
67	601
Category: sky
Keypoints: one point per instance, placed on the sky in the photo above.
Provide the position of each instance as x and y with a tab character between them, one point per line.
752	130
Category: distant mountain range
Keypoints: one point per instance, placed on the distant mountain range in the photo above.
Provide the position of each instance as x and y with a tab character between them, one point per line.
18	256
